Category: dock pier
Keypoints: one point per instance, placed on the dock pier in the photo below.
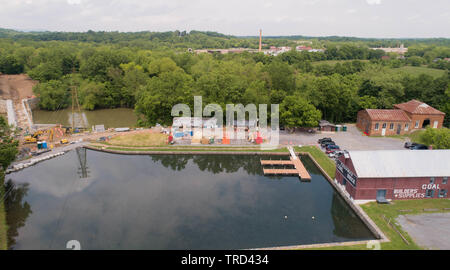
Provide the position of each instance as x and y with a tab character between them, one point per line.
299	169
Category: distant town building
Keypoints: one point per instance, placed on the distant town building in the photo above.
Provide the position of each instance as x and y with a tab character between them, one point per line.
403	119
394	174
226	51
400	50
277	50
308	49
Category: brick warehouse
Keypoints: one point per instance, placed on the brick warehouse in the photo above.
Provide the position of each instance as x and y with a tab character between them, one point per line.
405	118
394	174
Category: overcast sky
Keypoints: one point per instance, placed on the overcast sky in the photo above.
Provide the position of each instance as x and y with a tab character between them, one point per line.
361	18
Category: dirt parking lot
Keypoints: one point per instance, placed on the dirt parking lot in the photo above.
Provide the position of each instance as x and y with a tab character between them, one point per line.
353	139
431	231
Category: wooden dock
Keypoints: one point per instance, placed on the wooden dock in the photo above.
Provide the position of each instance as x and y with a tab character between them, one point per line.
299	169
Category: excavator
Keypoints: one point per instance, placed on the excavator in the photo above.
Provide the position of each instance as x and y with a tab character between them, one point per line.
34	137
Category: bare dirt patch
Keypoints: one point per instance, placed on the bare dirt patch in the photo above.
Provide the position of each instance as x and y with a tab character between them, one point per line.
16	87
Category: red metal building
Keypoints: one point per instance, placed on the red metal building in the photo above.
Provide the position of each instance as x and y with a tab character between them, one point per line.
394	175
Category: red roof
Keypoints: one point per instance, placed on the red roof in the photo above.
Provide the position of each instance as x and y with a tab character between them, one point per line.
417	107
388	115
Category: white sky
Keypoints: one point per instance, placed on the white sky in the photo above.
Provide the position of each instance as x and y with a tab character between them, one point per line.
361	18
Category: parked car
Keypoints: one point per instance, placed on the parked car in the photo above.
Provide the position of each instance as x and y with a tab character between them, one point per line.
329	151
325	144
334	147
419	147
338	152
332	155
324	140
408	145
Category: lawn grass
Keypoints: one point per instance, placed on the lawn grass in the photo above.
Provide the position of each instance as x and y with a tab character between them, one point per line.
415	71
325	162
139	139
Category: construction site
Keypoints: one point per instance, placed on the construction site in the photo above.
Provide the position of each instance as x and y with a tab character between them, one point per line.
16	104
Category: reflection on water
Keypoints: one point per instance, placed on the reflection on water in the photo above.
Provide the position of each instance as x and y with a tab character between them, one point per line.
174	202
111	118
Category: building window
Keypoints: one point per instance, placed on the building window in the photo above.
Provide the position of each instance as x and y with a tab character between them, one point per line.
384	125
443	193
445	181
391	127
432	180
417	124
406	127
429	193
377	126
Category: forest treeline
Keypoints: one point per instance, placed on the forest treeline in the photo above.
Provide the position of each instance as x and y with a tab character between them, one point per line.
151	72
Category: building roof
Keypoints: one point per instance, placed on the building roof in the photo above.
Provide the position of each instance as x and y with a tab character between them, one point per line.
401	163
418	107
388	115
325	123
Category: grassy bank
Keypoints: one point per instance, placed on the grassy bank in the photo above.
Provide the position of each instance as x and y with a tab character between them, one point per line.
139	139
326	163
3	226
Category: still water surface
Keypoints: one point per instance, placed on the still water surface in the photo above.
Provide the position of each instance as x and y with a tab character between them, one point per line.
111	118
172	202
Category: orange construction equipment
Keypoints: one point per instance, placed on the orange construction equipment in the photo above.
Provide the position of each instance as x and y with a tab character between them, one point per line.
225	139
259	139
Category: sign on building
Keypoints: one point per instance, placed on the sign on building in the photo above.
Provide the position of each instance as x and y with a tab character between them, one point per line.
346	173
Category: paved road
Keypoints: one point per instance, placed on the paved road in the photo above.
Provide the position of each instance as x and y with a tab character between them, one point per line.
430	231
353	139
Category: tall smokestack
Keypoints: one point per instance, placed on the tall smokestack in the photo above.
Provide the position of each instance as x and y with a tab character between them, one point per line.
260	40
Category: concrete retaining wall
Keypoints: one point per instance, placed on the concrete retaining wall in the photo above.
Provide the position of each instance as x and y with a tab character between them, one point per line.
12	119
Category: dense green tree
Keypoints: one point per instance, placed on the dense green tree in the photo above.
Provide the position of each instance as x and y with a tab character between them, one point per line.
54	95
9	64
8	145
438	138
156	100
296	111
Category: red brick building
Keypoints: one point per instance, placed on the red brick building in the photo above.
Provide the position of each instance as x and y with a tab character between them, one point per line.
394	175
405	118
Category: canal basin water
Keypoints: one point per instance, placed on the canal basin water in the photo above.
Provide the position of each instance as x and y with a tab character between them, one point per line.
172	202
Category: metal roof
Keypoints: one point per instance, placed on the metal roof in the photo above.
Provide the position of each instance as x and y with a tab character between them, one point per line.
401	163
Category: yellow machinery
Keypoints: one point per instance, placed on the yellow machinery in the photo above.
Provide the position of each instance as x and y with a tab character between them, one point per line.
51	132
64	141
30	139
33	138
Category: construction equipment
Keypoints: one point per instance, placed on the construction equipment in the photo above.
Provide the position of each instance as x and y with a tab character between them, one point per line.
33	138
30	139
64	141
